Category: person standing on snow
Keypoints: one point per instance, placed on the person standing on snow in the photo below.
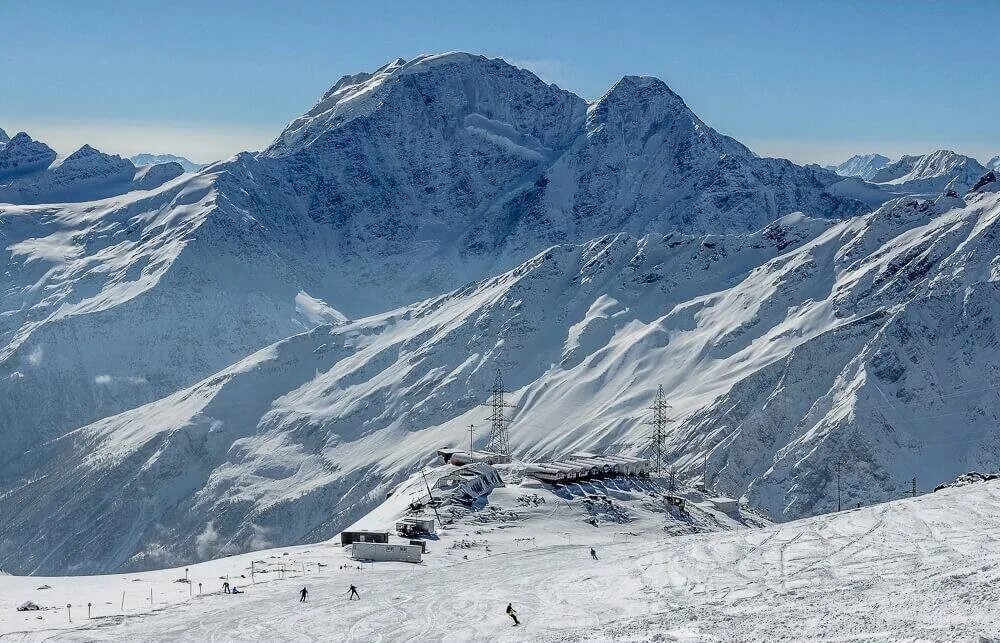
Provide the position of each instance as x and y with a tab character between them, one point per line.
225	587
593	553
302	595
353	592
511	612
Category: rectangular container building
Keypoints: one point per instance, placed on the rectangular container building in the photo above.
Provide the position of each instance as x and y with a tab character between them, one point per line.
381	552
363	536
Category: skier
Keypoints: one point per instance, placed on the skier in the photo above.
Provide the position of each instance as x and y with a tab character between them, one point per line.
353	592
302	595
511	612
225	587
593	553
236	590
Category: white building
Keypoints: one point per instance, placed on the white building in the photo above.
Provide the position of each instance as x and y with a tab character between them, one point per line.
381	552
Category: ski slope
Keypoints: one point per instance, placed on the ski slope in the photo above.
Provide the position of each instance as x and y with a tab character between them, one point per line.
923	569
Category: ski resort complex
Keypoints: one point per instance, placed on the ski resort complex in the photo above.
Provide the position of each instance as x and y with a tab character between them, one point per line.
467	326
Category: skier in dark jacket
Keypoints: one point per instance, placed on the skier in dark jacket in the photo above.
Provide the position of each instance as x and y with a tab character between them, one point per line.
511	612
302	595
225	587
353	593
593	553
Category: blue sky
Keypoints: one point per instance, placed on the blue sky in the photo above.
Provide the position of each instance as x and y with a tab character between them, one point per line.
809	80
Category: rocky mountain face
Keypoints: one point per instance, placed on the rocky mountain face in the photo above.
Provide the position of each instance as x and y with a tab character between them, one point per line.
863	166
211	361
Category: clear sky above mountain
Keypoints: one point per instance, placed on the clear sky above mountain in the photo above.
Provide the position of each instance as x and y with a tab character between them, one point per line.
812	81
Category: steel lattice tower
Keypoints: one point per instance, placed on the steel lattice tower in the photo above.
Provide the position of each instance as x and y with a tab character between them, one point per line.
659	423
499	436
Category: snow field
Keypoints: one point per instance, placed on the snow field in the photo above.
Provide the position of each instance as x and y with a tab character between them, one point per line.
924	569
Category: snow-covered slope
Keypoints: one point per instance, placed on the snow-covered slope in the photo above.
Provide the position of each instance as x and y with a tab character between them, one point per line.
930	174
994	163
870	341
157	159
863	166
360	425
919	569
110	304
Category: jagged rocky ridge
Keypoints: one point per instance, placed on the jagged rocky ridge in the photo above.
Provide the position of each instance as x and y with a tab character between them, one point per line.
32	173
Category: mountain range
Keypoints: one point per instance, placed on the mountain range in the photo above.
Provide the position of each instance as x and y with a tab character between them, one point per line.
31	173
253	354
863	166
157	159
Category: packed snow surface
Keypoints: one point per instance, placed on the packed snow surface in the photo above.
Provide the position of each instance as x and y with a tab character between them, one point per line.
922	569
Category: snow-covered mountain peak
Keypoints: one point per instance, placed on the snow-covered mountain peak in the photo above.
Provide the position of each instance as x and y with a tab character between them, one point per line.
645	99
994	163
937	172
440	87
84	152
22	155
863	166
186	164
3	136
